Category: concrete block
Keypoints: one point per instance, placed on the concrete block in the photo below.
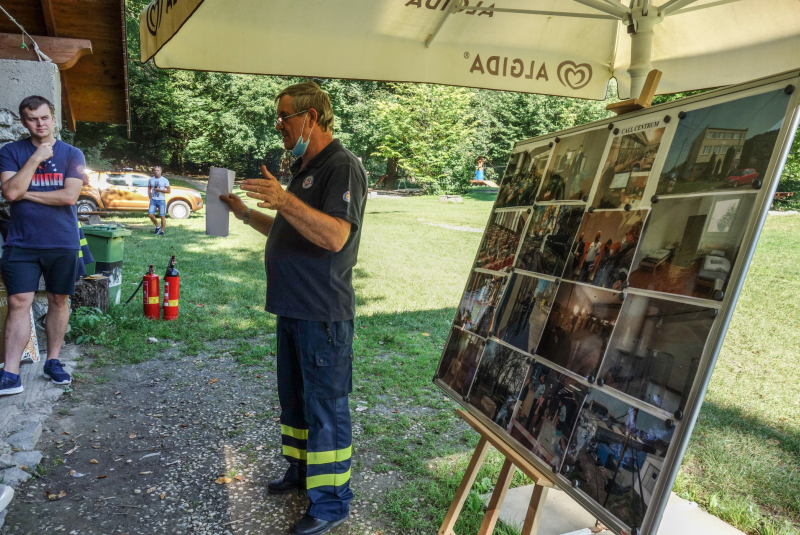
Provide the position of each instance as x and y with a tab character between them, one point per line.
29	459
7	461
561	514
13	477
22	79
682	516
26	438
52	394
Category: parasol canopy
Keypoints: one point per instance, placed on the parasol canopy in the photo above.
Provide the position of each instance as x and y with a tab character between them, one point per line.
569	48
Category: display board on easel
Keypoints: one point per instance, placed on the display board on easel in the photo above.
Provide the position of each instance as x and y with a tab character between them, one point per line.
604	284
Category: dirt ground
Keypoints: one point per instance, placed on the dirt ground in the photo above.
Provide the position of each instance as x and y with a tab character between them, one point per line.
138	450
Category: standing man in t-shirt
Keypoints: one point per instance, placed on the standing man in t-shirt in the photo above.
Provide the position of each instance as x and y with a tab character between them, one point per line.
157	188
42	178
311	250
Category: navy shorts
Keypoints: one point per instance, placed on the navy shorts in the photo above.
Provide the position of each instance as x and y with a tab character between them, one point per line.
161	205
21	269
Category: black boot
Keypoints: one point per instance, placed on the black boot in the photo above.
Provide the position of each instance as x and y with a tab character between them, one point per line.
308	525
293	479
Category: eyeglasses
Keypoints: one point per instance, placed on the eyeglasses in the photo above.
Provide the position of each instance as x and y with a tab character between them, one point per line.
279	120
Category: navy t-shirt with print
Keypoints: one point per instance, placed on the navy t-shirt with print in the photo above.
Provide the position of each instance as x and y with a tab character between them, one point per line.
39	226
306	281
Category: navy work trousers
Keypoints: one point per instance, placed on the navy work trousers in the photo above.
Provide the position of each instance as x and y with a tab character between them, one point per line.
315	376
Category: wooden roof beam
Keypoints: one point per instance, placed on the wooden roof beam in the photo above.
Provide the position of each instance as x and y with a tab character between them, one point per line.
52	31
49	18
64	52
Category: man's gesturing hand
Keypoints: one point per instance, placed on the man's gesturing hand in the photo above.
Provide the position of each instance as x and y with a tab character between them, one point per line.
235	204
268	190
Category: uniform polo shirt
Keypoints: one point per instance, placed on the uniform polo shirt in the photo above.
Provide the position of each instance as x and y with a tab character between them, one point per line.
306	281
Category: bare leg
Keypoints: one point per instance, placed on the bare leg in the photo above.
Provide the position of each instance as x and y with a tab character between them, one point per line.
18	329
163	222
153	219
56	325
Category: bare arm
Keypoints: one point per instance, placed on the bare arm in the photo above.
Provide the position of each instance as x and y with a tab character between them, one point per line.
63	197
326	231
257	220
14	185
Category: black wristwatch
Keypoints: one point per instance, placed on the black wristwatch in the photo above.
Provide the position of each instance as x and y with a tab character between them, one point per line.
246	216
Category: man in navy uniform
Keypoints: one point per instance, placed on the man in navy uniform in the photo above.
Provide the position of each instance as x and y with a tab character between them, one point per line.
312	247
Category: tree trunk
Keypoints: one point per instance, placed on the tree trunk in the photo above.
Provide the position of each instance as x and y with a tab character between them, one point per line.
391	174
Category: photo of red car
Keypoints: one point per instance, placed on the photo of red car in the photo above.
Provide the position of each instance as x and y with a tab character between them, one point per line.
741	177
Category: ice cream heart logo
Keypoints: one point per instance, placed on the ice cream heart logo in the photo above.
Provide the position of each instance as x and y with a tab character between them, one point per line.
574	76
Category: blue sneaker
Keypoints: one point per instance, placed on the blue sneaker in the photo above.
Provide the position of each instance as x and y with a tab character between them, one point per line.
54	371
160	232
10	386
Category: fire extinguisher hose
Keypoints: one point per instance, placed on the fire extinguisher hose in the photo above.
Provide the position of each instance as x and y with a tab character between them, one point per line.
135	292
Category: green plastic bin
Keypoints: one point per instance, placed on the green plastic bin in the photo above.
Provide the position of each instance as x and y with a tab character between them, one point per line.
106	243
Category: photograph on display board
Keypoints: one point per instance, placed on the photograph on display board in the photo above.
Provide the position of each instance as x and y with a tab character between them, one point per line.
499	245
476	310
498	382
616	455
573	166
522	313
459	360
727	145
690	244
604	248
655	350
547	411
548	242
579	327
628	165
520	184
513	162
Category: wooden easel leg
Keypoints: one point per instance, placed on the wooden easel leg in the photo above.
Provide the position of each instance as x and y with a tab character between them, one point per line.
498	496
535	511
463	489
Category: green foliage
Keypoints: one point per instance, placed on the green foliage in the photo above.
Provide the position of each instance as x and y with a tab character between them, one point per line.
428	128
88	325
790	179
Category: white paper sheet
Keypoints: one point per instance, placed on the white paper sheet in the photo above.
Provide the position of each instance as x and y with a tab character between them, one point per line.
220	182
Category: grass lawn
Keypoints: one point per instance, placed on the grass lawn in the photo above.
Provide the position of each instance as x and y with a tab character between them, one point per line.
744	460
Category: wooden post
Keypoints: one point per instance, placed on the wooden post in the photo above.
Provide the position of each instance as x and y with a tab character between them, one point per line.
513	461
463	489
498	497
645	99
535	510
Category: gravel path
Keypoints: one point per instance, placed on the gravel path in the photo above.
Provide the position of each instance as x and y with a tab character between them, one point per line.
139	450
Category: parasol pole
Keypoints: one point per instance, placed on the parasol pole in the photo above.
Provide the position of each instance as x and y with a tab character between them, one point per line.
641	31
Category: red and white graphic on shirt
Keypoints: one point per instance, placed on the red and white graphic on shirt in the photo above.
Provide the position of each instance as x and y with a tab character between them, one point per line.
46	175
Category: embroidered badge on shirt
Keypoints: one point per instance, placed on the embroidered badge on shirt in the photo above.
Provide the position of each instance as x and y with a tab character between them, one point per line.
346	196
308	182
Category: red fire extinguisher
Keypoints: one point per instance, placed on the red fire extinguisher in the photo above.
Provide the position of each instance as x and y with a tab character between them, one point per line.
150	291
172	286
